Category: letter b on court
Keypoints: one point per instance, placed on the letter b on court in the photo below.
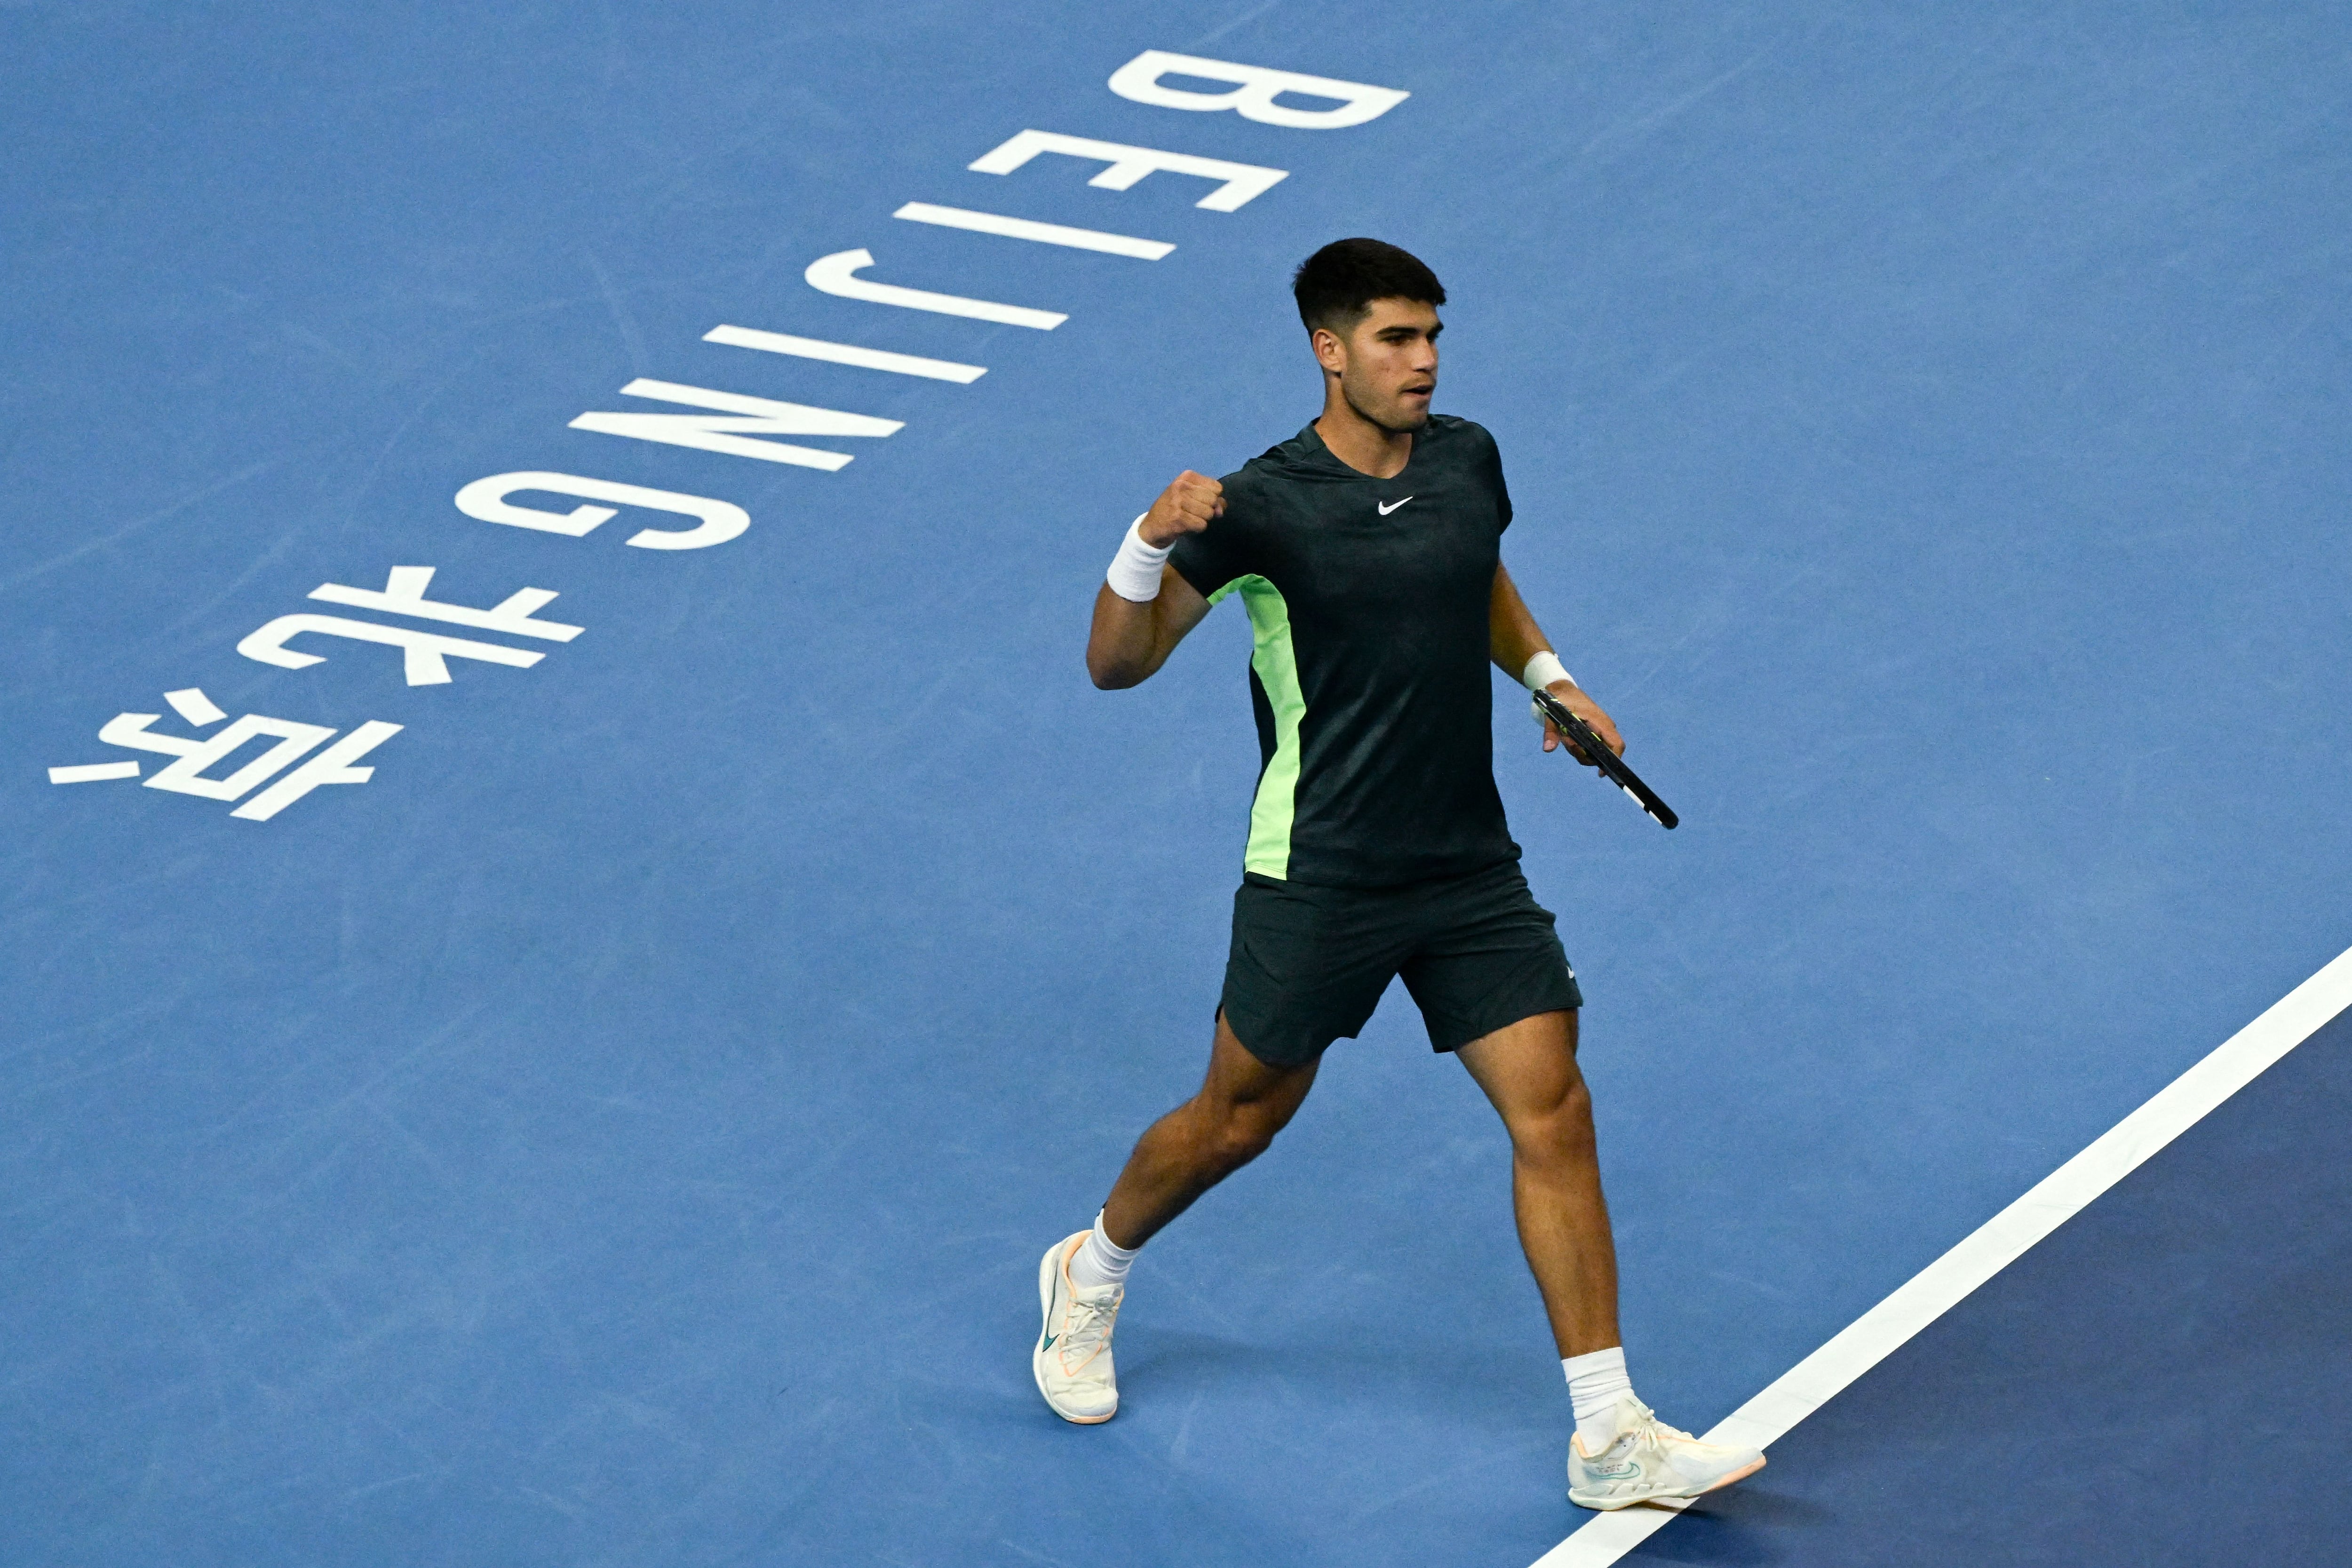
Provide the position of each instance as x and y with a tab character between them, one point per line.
1255	92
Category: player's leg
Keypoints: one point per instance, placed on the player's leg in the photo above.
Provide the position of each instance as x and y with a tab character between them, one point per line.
1528	1069
1243	1103
1307	967
1494	987
1622	1453
1082	1279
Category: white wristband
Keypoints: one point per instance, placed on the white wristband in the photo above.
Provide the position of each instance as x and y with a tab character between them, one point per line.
1542	670
1134	573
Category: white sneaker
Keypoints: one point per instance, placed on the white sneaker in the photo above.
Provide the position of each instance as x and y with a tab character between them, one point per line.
1650	1462
1072	1358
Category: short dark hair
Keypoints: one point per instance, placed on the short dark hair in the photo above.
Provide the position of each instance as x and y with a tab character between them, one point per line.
1336	284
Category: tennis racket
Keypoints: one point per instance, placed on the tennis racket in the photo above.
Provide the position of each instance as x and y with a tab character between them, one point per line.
1612	768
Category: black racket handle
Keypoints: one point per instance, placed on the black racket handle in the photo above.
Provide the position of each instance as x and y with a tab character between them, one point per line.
1612	767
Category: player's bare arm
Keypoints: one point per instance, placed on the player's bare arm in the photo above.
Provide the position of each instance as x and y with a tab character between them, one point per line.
1130	641
1515	639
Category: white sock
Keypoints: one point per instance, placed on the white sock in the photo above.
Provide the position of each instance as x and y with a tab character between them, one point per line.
1594	1382
1100	1260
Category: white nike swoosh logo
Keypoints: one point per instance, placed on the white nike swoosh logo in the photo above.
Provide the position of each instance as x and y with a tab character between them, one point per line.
1384	511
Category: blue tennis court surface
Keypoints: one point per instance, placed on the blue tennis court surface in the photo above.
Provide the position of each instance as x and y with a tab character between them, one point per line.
622	1127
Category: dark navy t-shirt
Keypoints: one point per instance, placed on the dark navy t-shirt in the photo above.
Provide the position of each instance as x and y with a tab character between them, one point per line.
1370	599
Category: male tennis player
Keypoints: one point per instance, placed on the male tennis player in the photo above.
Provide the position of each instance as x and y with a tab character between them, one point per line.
1366	550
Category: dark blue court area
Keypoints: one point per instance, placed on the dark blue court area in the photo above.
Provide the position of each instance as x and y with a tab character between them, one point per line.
2161	1381
574	925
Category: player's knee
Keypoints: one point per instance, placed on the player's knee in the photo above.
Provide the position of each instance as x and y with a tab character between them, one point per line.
1560	1131
1241	1136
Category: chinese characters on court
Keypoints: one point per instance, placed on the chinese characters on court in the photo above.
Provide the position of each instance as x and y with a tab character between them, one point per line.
401	618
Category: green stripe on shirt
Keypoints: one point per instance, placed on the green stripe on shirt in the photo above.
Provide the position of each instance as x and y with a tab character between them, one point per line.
1277	663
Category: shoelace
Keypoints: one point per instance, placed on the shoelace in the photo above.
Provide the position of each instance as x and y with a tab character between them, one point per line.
1089	1323
1649	1432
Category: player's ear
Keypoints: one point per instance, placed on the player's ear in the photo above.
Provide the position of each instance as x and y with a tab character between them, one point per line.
1329	352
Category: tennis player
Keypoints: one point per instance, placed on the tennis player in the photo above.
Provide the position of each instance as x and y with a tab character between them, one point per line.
1366	551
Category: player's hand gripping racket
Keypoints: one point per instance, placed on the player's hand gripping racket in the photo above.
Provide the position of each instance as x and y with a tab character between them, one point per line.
1580	734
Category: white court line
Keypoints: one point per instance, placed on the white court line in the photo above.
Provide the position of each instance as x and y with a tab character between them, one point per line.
844	353
1999	1242
1028	229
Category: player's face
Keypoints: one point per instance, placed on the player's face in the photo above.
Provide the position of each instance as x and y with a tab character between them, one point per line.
1387	362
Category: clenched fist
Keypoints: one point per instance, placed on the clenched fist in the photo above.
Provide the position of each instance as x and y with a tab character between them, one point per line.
1187	506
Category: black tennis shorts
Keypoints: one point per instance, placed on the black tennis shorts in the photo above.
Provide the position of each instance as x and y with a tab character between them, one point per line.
1308	964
